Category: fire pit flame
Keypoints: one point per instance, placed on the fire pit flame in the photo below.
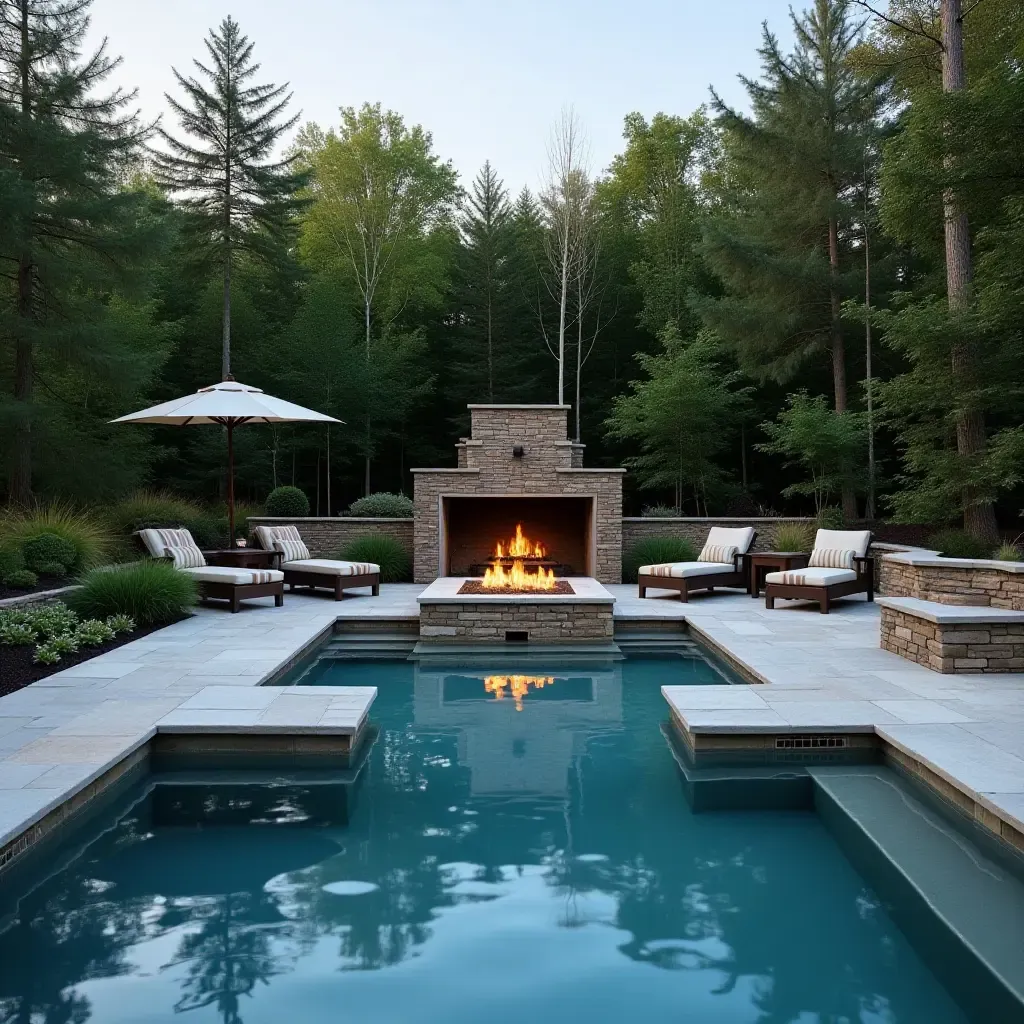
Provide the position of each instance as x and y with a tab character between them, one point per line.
518	576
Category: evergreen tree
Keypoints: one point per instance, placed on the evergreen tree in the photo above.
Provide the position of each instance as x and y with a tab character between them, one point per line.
238	198
782	240
485	363
71	232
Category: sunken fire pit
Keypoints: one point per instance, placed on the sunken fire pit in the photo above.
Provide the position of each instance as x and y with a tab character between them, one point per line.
479	587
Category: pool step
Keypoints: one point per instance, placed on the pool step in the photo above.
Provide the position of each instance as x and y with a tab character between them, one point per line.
369	645
466	654
961	908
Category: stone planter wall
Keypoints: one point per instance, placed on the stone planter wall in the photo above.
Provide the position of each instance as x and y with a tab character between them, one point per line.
953	581
327	536
953	647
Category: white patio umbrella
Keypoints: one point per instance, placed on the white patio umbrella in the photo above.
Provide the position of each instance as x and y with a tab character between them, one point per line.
228	404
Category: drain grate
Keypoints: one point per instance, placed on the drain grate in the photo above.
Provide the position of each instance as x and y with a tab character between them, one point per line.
517	636
820	742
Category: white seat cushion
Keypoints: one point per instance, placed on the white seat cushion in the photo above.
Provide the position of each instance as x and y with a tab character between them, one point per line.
331	567
229	574
812	577
846	540
738	537
681	570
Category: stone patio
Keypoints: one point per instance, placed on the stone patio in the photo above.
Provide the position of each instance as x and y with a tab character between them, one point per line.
822	673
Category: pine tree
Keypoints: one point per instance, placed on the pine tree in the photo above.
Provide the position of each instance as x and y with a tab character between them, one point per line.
782	239
239	199
69	227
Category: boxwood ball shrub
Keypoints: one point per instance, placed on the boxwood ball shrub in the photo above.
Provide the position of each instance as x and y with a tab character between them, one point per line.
21	579
958	544
288	502
49	554
394	561
382	505
152	593
652	550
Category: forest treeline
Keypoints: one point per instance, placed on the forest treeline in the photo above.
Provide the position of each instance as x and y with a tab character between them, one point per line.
815	300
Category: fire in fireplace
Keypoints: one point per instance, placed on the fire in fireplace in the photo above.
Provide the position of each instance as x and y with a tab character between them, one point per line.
511	564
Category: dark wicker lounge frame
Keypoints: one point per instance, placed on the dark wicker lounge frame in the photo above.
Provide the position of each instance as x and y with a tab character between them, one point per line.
324	581
864	566
233	593
739	576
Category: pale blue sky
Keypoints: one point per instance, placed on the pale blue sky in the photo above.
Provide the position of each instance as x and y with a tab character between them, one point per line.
487	79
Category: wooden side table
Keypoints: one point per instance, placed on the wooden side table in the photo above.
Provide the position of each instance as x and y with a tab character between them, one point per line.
243	558
764	562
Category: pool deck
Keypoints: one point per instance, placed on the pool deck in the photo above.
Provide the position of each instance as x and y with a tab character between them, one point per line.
820	673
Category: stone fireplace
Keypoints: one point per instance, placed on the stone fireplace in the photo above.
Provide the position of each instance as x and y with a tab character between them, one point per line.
518	469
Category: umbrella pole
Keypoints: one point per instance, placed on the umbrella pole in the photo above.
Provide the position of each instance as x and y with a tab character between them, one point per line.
231	485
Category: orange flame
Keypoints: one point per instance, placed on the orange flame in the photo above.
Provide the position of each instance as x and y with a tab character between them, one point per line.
520	547
518	578
518	686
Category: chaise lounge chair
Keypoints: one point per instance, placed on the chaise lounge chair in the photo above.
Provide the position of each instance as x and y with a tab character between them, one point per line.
324	573
221	582
839	566
722	563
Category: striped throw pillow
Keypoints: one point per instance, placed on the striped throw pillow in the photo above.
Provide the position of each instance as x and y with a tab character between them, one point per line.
832	558
724	553
291	550
186	556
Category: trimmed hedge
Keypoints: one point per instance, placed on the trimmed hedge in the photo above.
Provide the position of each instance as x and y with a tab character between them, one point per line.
288	502
49	554
382	505
958	544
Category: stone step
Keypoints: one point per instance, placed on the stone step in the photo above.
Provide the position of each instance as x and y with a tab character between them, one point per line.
960	903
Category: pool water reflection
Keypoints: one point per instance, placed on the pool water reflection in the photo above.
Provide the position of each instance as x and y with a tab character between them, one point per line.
495	865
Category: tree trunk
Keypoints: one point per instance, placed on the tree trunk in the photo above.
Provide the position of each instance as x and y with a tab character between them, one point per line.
869	509
490	343
366	467
21	469
563	298
838	349
579	368
225	354
979	515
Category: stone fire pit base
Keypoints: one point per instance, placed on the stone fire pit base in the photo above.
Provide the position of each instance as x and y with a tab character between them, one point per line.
447	615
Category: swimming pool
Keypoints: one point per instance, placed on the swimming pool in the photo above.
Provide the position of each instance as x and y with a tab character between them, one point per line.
516	846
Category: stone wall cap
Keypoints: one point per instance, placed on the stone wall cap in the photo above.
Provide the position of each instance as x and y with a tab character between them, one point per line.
330	519
921	556
585	469
445	590
487	406
950	614
718	519
454	469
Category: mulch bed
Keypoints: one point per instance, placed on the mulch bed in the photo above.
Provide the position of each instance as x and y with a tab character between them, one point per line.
477	587
17	669
45	583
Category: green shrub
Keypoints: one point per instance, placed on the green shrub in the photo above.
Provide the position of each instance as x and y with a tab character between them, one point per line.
46	654
49	554
66	643
143	510
660	512
93	632
288	502
152	593
1008	552
652	550
831	518
121	623
394	561
92	537
11	560
382	505
21	579
52	620
793	537
958	544
17	634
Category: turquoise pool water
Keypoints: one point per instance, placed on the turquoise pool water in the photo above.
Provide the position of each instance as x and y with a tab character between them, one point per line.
499	860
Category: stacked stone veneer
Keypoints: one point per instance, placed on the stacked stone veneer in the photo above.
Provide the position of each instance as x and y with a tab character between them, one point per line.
953	647
544	621
326	537
953	581
550	466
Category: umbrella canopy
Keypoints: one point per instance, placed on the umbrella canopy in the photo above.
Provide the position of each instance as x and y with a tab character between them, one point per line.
227	404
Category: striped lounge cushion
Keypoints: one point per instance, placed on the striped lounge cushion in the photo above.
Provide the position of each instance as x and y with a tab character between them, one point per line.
721	553
832	558
159	543
285	539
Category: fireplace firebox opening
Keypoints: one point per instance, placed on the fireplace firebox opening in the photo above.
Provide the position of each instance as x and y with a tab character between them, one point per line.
472	527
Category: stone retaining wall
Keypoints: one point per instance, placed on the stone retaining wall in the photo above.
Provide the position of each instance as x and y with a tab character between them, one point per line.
327	536
489	621
953	647
956	581
695	530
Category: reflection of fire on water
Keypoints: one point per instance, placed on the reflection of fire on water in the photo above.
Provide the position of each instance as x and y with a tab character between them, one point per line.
517	576
518	686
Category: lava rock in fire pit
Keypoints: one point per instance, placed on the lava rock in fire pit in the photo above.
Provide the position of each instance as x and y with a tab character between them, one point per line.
477	587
